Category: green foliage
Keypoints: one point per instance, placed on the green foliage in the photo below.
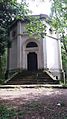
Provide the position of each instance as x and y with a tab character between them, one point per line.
59	19
35	27
64	59
9	10
3	65
6	113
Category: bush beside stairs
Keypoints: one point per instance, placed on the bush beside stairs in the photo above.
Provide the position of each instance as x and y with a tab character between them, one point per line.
28	77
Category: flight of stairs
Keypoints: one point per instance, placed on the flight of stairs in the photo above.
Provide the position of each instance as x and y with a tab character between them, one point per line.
24	78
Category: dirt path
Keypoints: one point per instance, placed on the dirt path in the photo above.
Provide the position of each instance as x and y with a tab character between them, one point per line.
20	96
48	103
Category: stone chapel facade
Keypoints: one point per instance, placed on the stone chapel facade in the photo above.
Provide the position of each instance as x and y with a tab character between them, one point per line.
32	54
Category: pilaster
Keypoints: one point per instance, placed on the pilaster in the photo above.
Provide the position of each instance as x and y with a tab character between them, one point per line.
19	41
44	53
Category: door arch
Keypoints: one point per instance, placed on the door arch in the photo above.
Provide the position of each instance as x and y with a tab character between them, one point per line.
32	61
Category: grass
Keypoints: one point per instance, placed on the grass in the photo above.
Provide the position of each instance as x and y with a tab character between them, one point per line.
6	113
64	84
32	110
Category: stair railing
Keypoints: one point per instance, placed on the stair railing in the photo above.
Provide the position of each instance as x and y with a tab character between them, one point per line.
11	77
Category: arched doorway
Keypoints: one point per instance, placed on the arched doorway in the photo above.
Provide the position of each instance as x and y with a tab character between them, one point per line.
32	61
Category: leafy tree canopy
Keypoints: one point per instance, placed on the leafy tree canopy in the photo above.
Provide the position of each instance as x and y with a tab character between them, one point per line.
59	22
59	19
9	10
36	27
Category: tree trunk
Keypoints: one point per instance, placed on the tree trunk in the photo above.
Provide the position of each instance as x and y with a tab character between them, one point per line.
0	67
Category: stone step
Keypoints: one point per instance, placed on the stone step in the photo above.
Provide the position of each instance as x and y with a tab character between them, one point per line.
32	81
31	78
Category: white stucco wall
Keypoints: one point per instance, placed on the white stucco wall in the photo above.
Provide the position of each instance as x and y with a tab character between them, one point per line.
22	51
52	53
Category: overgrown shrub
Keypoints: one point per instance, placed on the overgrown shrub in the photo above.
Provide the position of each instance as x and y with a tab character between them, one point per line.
6	113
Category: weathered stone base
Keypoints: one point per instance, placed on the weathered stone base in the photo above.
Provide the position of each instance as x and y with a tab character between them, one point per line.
21	77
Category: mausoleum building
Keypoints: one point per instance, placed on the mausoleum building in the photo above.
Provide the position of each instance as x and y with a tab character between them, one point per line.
31	54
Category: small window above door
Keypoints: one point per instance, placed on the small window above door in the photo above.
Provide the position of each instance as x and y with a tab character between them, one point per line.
31	44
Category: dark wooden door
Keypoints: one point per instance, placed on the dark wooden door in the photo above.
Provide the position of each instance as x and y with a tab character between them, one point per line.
32	61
